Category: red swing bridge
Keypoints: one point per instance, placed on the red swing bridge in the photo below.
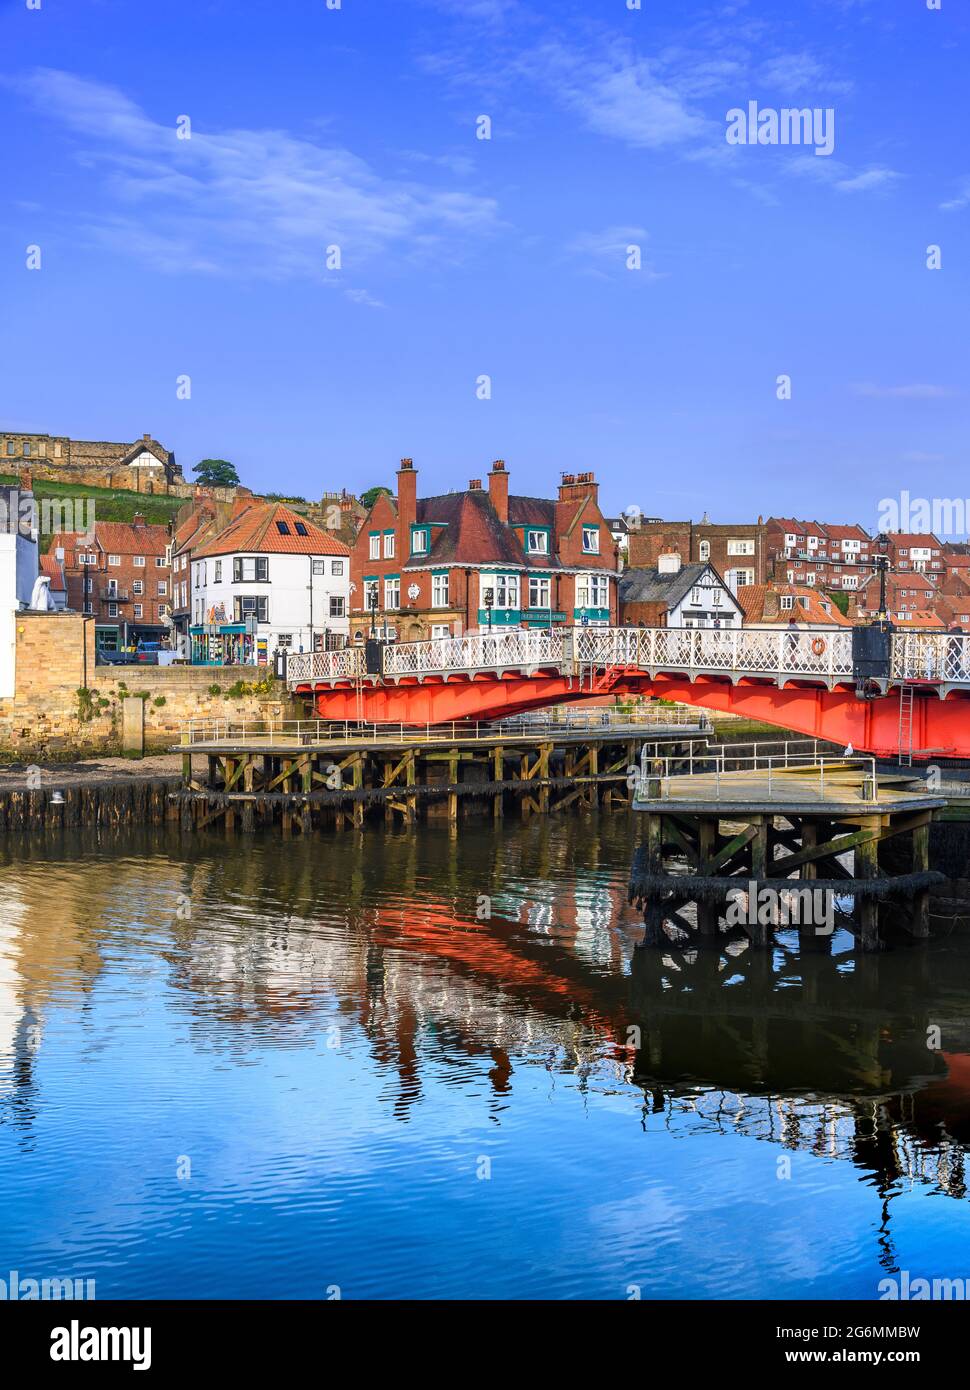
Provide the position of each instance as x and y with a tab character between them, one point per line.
904	695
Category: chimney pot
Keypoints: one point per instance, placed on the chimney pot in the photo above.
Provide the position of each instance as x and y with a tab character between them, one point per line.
474	484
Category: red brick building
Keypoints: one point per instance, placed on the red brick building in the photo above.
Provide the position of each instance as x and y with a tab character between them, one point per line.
819	555
737	551
121	576
908	596
484	557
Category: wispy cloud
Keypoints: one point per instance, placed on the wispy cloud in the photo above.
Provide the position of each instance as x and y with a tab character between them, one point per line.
607	253
254	203
960	200
618	94
671	99
912	391
841	177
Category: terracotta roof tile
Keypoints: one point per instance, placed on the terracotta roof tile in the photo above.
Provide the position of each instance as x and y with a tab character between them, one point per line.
257	530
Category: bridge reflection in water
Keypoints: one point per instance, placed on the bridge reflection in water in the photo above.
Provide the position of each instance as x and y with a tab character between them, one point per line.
860	1061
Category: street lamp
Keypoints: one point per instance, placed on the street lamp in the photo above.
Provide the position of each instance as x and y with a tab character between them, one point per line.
489	599
882	565
372	605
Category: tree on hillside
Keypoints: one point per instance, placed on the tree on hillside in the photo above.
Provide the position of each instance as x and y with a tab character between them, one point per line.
369	497
216	473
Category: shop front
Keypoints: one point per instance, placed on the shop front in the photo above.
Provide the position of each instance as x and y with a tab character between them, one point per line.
227	644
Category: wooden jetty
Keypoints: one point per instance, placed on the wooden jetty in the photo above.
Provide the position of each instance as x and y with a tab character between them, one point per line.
781	823
311	774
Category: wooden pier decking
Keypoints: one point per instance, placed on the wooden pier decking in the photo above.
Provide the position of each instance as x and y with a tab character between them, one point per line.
311	778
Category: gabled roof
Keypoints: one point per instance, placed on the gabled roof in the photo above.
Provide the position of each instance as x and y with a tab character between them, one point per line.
54	570
918	539
126	538
807	605
853	532
258	529
148	446
474	535
649	585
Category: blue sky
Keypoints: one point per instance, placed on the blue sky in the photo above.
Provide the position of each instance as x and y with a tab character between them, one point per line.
462	257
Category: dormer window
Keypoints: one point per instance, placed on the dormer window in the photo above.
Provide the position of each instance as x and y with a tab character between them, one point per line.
537	542
419	542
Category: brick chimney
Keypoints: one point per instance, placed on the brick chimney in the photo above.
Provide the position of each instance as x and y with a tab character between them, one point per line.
772	606
474	484
498	490
26	480
138	519
407	505
573	486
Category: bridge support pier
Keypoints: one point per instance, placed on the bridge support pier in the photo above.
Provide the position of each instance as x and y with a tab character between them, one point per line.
700	880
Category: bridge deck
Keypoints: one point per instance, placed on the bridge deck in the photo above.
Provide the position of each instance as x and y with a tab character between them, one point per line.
284	744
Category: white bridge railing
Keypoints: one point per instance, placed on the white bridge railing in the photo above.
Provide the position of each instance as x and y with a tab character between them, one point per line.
826	655
931	656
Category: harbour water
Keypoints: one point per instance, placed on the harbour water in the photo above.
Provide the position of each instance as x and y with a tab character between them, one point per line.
426	1063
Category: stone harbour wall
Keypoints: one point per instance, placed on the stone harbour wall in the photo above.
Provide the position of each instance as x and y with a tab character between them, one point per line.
65	706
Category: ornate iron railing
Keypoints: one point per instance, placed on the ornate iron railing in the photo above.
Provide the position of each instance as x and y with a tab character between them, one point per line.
823	654
345	664
931	656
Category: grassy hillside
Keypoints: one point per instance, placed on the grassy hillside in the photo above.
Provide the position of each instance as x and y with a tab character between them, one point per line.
110	504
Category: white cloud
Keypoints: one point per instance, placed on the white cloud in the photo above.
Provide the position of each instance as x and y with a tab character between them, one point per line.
799	72
959	201
604	253
877	177
245	202
617	94
913	391
840	176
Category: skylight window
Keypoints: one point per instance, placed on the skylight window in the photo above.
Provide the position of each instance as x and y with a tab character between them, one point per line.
301	529
282	527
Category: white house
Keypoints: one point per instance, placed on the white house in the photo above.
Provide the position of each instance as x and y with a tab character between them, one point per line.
269	580
18	572
677	595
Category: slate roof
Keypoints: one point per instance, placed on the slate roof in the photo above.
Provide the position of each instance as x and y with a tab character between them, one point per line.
474	535
650	586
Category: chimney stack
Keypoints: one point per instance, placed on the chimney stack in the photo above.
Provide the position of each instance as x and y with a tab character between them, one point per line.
498	490
474	485
407	504
573	486
668	562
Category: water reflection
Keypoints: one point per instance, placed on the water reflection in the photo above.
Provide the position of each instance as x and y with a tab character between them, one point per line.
407	977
